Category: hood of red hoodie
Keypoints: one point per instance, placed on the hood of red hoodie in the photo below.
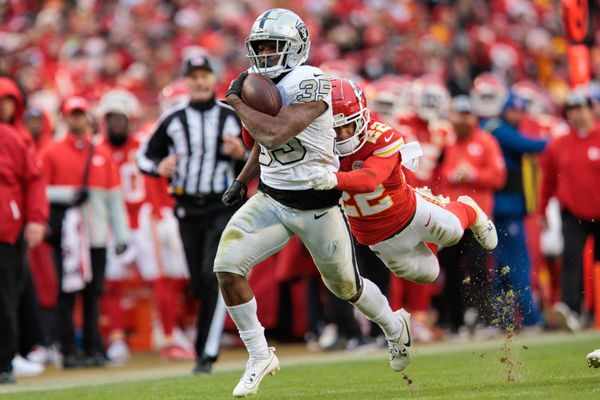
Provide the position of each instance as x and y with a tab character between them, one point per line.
8	87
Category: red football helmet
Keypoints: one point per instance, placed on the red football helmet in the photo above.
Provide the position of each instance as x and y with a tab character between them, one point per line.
349	105
488	95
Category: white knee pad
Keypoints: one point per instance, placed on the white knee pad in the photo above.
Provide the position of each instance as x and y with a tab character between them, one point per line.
230	261
427	271
455	233
343	289
251	236
421	273
419	265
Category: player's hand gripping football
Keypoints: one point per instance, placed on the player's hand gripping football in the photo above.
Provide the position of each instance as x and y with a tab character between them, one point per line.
235	87
321	179
235	195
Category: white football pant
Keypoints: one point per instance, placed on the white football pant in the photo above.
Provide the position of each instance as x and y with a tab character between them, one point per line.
155	248
406	254
263	226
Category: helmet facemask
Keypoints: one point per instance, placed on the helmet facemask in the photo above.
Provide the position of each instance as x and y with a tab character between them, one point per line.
430	106
290	35
488	95
487	103
264	64
384	105
351	145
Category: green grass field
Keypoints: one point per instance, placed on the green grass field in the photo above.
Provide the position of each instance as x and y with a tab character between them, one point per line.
540	367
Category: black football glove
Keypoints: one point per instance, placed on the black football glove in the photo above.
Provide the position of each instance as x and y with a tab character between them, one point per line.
80	197
236	85
235	195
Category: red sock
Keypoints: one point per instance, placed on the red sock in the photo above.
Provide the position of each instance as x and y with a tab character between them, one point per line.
464	212
165	296
111	305
418	296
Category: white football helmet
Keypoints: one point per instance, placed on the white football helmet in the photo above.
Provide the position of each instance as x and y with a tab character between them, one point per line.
432	99
488	95
538	101
291	35
119	101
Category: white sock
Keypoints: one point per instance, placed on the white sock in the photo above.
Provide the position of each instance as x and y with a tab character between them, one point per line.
251	331
373	304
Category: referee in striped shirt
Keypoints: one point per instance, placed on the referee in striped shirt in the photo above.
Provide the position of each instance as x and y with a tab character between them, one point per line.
198	146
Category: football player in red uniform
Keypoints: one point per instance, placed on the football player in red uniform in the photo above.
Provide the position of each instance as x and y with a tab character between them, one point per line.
384	212
420	117
428	126
488	94
155	247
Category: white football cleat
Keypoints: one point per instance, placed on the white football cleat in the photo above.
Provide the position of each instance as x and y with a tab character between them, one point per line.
44	355
593	359
255	371
118	352
400	348
483	228
22	367
565	317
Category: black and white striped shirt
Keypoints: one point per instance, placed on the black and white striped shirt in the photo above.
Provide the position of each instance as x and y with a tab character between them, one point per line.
195	132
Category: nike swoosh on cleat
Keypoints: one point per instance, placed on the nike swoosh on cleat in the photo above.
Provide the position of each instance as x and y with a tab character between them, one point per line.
428	221
253	383
320	215
407	344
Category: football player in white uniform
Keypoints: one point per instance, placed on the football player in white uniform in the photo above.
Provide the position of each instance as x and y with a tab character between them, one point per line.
287	146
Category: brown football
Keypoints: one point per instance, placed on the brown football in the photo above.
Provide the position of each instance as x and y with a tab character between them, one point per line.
261	94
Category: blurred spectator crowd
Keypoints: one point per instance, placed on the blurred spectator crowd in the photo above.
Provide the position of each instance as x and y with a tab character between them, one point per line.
56	49
413	59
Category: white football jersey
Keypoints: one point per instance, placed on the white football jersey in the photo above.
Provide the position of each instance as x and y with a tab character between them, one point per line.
287	168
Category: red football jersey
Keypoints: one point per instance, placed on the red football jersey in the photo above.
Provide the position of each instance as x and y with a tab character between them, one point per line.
433	137
138	189
480	153
377	200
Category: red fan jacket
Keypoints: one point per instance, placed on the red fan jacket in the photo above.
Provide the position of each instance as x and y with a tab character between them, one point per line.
22	188
479	159
571	172
64	163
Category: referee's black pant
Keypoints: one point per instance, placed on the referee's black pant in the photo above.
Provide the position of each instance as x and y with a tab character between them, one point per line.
575	233
200	227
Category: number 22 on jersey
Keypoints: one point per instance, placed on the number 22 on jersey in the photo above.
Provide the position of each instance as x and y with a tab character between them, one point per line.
366	204
375	130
